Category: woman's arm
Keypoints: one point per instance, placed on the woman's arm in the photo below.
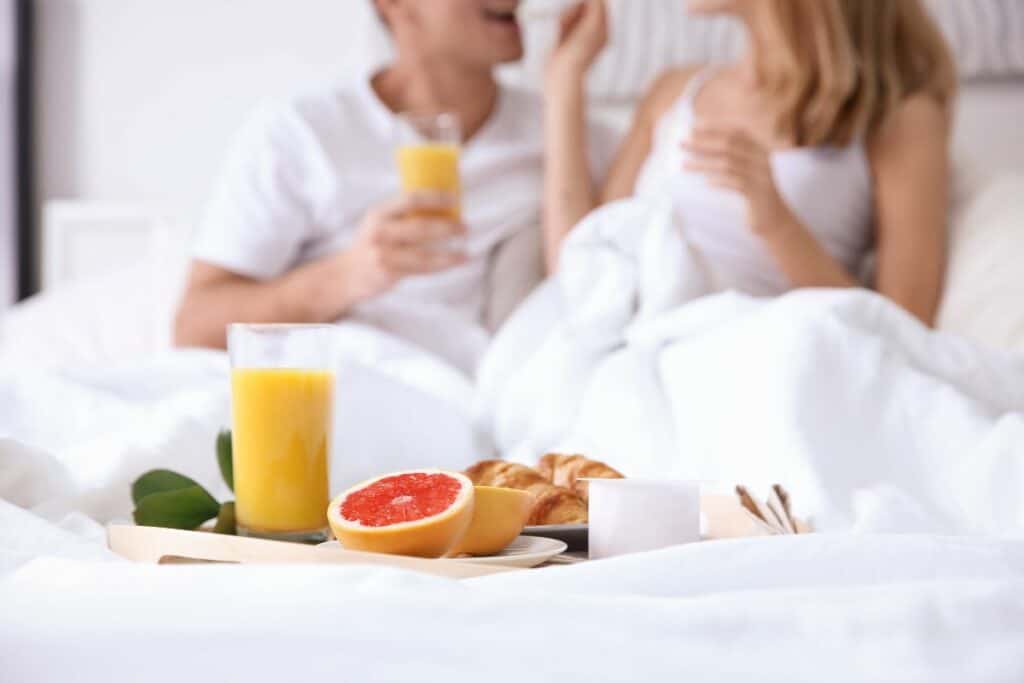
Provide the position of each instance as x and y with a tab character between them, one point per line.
569	192
636	147
732	159
911	167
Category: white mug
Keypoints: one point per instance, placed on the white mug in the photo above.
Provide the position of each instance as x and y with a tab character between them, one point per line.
637	515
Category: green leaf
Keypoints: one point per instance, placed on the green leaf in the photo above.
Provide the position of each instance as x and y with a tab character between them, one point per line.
159	481
185	508
227	466
226	520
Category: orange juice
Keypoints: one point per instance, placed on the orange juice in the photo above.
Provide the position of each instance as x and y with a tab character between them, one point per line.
281	444
433	167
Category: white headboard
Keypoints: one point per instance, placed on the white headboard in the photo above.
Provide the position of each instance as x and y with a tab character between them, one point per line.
84	240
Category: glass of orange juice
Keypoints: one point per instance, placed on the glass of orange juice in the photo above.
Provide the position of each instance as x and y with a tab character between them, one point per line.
428	157
282	404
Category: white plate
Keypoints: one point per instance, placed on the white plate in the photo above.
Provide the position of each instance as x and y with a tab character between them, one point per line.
524	552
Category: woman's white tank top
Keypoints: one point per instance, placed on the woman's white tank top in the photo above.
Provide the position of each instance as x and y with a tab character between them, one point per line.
828	188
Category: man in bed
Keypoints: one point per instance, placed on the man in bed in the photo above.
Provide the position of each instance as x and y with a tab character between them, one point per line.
308	224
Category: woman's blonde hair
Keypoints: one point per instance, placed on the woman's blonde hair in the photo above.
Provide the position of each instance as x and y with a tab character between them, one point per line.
840	67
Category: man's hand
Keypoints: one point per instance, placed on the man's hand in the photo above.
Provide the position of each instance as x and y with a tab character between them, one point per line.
395	240
405	236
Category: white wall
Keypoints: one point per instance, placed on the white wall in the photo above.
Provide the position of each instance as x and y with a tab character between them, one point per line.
138	98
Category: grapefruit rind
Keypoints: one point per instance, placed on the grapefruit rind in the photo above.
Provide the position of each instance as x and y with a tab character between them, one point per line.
499	515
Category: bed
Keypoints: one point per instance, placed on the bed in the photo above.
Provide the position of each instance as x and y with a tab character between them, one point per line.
902	444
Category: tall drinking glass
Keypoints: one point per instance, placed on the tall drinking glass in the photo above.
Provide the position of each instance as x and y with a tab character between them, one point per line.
282	401
428	156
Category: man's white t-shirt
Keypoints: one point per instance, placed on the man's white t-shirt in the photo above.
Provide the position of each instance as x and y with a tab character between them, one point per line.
302	174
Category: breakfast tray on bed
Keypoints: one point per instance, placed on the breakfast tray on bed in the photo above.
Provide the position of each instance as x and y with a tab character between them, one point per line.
726	517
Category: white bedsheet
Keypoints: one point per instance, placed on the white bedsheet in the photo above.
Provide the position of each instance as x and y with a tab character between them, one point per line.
808	609
100	428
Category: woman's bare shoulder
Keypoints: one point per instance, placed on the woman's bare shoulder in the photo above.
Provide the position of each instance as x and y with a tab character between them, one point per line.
919	118
666	90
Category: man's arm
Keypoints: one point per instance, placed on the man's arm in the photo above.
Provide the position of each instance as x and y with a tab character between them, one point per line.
215	297
391	244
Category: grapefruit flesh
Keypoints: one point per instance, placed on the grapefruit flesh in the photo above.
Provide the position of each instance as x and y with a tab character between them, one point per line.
423	513
499	515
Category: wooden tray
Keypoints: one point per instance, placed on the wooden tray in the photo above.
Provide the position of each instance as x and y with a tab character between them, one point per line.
171	546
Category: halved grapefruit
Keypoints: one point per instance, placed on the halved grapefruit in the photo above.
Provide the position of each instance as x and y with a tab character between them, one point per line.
422	513
499	515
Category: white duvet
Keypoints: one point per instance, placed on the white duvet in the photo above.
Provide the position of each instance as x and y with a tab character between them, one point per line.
839	394
874	424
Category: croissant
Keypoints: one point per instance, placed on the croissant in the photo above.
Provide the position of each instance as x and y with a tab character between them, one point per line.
554	504
567	470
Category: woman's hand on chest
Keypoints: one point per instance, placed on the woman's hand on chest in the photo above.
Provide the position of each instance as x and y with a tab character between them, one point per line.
731	158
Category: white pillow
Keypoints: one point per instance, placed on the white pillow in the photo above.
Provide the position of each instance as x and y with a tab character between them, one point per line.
517	267
124	315
985	279
987	36
650	36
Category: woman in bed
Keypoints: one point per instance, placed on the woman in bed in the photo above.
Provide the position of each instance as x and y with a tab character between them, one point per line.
828	137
